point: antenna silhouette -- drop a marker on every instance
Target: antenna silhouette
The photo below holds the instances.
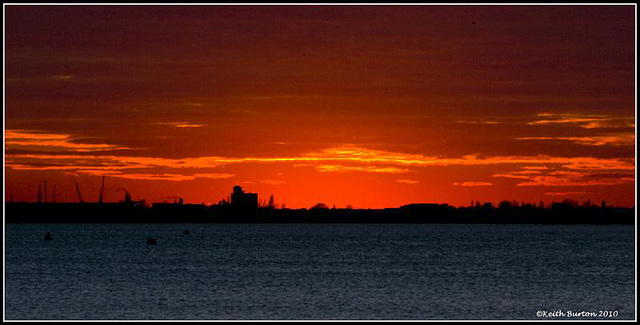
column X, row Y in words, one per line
column 101, row 191
column 79, row 194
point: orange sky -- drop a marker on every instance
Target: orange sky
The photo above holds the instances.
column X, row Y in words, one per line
column 369, row 106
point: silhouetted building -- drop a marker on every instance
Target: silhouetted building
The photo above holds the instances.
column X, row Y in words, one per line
column 505, row 204
column 245, row 200
column 572, row 203
column 177, row 212
column 426, row 210
column 562, row 206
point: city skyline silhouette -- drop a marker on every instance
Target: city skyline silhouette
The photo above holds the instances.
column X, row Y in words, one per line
column 244, row 207
column 241, row 197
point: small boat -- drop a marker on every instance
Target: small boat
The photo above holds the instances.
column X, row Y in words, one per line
column 152, row 241
column 48, row 237
column 186, row 232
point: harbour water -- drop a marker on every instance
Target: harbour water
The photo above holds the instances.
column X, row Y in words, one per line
column 317, row 271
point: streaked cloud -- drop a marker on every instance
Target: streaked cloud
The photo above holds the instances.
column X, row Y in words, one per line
column 368, row 169
column 565, row 193
column 478, row 122
column 157, row 177
column 63, row 77
column 214, row 176
column 356, row 154
column 150, row 176
column 407, row 181
column 30, row 140
column 610, row 140
column 273, row 182
column 535, row 167
column 181, row 124
column 347, row 158
column 136, row 176
column 40, row 79
column 575, row 177
column 587, row 121
column 572, row 181
column 521, row 174
column 473, row 184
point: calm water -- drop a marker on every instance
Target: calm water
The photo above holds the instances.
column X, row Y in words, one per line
column 313, row 271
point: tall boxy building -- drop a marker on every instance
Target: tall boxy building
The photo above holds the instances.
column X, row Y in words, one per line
column 241, row 199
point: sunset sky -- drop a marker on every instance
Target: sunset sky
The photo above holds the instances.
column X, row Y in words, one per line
column 369, row 106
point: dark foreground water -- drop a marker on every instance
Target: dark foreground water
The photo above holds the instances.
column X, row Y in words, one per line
column 315, row 271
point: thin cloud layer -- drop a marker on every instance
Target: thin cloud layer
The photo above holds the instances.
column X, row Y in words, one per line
column 29, row 140
column 565, row 193
column 574, row 177
column 587, row 121
column 608, row 140
column 360, row 159
column 473, row 184
column 408, row 181
column 148, row 176
column 181, row 124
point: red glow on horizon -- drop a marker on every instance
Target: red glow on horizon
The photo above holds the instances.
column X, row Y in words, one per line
column 367, row 106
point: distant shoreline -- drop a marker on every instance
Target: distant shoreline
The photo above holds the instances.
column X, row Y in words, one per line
column 20, row 212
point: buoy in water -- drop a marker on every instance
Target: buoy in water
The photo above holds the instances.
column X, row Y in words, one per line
column 186, row 232
column 48, row 237
column 152, row 241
